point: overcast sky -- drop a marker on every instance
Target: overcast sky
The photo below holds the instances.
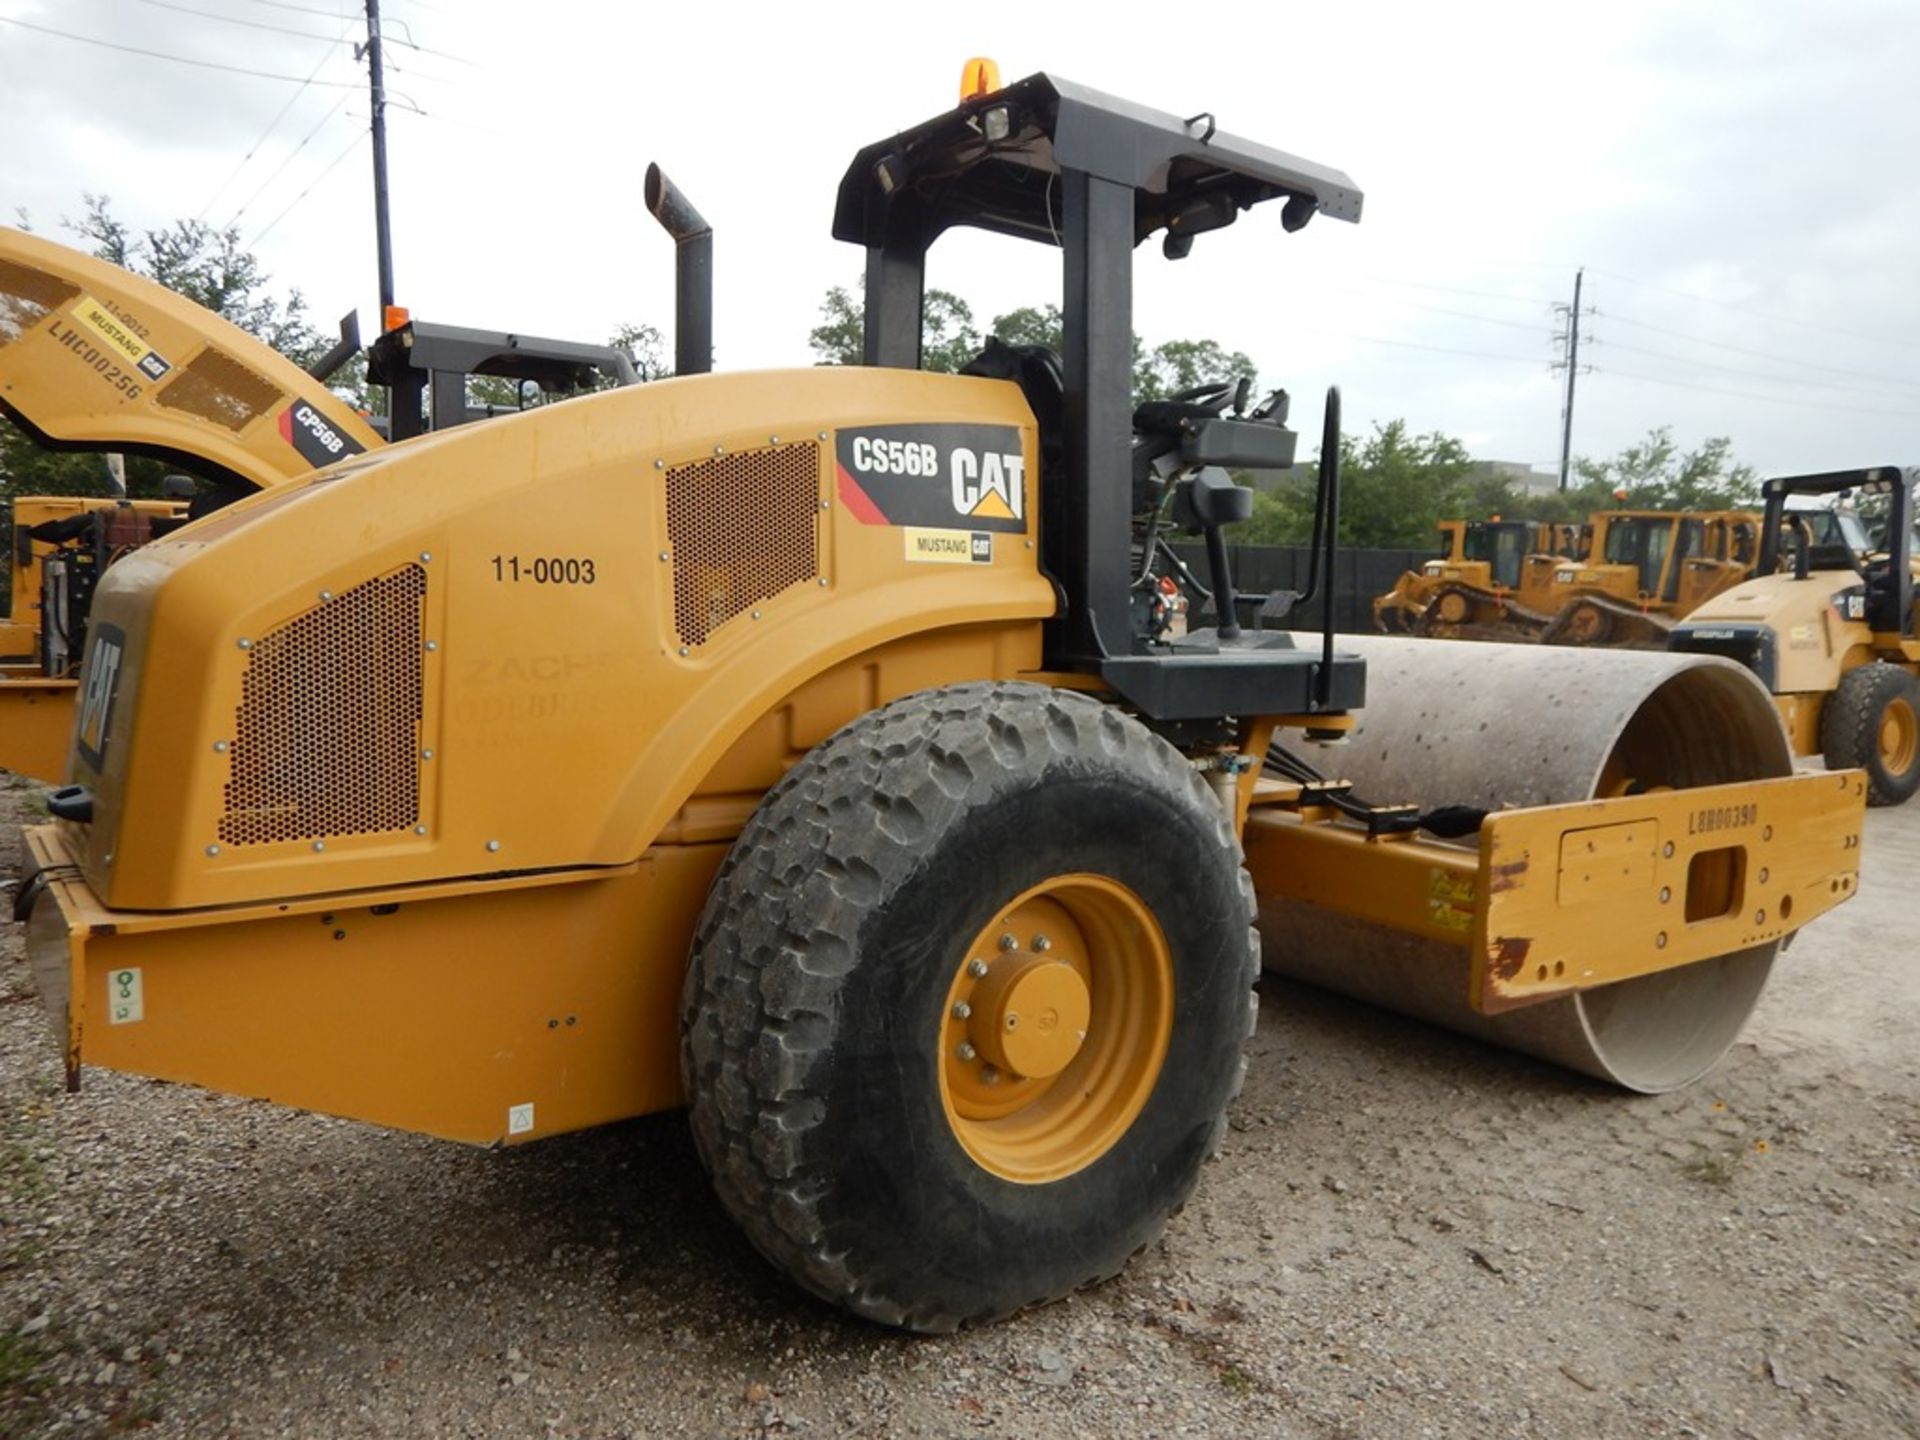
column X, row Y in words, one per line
column 1739, row 180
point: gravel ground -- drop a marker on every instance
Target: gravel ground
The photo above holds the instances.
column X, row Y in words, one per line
column 1406, row 1235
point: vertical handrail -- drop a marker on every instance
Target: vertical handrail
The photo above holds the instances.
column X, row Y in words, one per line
column 1329, row 505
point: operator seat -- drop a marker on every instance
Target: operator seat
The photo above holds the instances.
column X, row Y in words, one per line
column 1036, row 369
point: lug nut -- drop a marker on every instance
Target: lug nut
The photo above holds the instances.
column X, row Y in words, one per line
column 976, row 968
column 966, row 1051
column 989, row 1075
column 1007, row 942
column 962, row 1010
column 1041, row 943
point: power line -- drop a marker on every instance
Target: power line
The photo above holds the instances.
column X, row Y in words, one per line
column 303, row 9
column 1748, row 395
column 1530, row 360
column 1536, row 300
column 261, row 138
column 331, row 166
column 409, row 42
column 1756, row 354
column 235, row 20
column 1740, row 370
column 1442, row 310
column 291, row 156
column 1758, row 314
column 176, row 59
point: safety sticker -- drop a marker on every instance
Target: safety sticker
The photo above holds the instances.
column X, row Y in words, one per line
column 1449, row 900
column 126, row 1003
column 934, row 476
column 117, row 333
column 949, row 547
column 519, row 1118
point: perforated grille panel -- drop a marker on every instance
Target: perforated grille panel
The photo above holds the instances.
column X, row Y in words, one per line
column 217, row 387
column 327, row 734
column 744, row 527
column 26, row 297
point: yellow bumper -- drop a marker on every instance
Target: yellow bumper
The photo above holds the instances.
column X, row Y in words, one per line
column 1570, row 897
column 491, row 1010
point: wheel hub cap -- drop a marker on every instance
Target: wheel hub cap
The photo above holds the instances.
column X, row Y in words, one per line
column 1030, row 1015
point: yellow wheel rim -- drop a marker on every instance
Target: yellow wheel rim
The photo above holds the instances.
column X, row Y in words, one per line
column 1055, row 1028
column 1452, row 607
column 1899, row 736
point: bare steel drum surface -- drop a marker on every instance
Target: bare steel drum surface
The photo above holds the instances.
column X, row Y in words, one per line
column 1450, row 722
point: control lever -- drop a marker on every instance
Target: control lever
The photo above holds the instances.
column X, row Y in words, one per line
column 1205, row 502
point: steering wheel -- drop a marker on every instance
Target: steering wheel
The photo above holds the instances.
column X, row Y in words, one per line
column 1205, row 401
column 1210, row 395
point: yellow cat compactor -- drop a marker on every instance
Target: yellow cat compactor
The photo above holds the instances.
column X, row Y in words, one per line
column 95, row 358
column 806, row 748
column 1831, row 626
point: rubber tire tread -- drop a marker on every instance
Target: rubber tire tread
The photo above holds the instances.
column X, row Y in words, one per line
column 1850, row 728
column 774, row 951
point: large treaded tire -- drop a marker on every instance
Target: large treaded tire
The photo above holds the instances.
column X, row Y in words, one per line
column 818, row 983
column 1850, row 729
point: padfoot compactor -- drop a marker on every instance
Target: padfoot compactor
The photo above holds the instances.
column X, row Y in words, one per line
column 93, row 357
column 799, row 747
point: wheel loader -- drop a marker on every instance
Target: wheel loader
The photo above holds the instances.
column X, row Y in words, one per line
column 1485, row 565
column 1829, row 624
column 804, row 748
column 93, row 357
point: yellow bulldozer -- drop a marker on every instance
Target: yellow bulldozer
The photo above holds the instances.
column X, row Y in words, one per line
column 1830, row 625
column 1484, row 566
column 95, row 358
column 807, row 748
column 1647, row 569
column 1633, row 573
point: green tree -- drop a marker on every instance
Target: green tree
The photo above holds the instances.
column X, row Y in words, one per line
column 1031, row 325
column 1657, row 474
column 1395, row 487
column 951, row 341
column 1176, row 365
column 948, row 339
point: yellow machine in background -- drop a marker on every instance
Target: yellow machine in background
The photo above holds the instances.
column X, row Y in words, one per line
column 95, row 358
column 1620, row 580
column 57, row 547
column 1830, row 625
column 1647, row 569
column 794, row 746
column 1486, row 565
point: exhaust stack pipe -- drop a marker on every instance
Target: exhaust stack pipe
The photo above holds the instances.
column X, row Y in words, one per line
column 692, row 273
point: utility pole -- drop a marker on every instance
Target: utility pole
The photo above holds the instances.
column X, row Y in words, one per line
column 1572, row 337
column 382, row 221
